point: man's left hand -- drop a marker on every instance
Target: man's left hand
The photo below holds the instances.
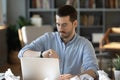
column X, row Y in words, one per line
column 65, row 77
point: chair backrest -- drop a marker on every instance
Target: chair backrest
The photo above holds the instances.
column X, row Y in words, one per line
column 116, row 30
column 29, row 33
column 105, row 43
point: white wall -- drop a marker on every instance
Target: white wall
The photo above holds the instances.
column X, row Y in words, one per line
column 15, row 8
column 3, row 11
column 0, row 11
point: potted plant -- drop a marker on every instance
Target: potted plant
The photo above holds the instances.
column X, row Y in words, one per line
column 116, row 65
column 13, row 39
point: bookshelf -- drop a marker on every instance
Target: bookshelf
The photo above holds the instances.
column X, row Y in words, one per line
column 94, row 16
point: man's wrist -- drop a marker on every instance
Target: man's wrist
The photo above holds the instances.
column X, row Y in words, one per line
column 41, row 54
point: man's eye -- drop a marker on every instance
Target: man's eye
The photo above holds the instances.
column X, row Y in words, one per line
column 57, row 24
column 64, row 25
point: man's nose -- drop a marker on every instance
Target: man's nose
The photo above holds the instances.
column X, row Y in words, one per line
column 61, row 28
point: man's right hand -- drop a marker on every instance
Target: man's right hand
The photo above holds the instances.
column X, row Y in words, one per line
column 50, row 54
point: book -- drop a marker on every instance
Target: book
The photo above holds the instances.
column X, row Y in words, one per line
column 90, row 19
column 46, row 4
column 106, row 3
column 91, row 4
column 82, row 3
column 97, row 19
column 84, row 20
column 87, row 20
column 118, row 3
column 72, row 2
column 111, row 3
column 33, row 3
column 38, row 3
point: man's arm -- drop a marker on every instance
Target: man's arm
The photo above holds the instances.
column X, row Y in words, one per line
column 30, row 53
column 91, row 73
column 46, row 54
column 69, row 76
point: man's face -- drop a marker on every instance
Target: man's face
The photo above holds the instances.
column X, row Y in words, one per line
column 65, row 27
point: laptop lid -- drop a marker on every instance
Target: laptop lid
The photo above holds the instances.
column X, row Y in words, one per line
column 40, row 68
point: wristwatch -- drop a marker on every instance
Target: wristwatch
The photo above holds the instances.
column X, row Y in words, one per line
column 41, row 52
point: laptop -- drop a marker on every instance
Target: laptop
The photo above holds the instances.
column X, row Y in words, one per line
column 40, row 68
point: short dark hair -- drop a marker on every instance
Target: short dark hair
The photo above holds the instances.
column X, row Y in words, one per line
column 67, row 10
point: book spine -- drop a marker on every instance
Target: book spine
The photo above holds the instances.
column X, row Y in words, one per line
column 33, row 3
column 38, row 4
column 46, row 4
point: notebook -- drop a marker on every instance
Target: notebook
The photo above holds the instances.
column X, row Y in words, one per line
column 40, row 68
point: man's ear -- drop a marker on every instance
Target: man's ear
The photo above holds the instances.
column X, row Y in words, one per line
column 75, row 23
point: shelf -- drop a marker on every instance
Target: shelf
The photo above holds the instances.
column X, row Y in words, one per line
column 91, row 9
column 98, row 9
column 94, row 16
column 112, row 10
column 41, row 10
column 91, row 27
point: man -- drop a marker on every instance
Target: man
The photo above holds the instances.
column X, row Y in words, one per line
column 76, row 54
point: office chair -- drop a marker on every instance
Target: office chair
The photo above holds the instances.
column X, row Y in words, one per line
column 106, row 44
column 29, row 33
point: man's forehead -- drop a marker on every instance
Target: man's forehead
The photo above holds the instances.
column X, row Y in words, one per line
column 57, row 16
column 62, row 19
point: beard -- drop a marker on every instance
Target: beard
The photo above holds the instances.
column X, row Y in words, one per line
column 64, row 35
